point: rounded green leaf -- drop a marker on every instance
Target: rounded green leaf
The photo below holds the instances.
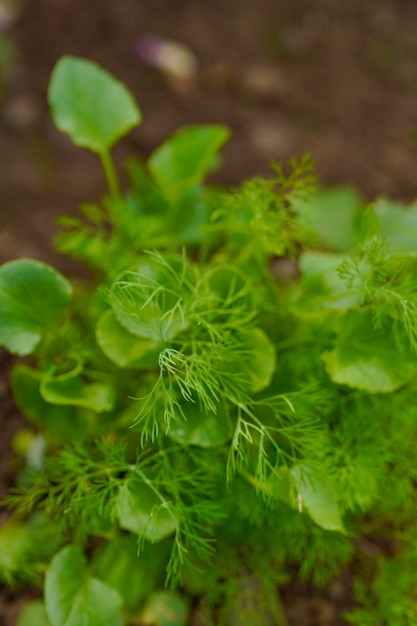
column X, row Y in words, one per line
column 74, row 598
column 134, row 576
column 187, row 157
column 71, row 389
column 317, row 497
column 33, row 613
column 147, row 299
column 200, row 428
column 122, row 347
column 332, row 214
column 90, row 105
column 166, row 608
column 321, row 289
column 33, row 297
column 227, row 282
column 261, row 363
column 14, row 546
column 398, row 224
column 368, row 358
column 140, row 510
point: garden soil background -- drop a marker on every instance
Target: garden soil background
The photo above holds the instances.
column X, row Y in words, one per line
column 337, row 79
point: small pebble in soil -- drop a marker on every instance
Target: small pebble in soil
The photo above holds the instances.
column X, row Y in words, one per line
column 264, row 82
column 171, row 57
column 22, row 112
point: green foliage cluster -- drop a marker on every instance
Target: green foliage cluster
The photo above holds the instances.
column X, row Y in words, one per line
column 229, row 396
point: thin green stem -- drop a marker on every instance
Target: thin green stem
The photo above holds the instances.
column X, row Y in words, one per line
column 110, row 173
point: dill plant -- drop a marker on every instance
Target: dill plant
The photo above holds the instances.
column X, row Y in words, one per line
column 201, row 423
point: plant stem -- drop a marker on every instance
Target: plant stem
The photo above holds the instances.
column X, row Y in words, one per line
column 110, row 173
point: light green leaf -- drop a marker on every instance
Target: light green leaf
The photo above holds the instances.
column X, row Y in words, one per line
column 189, row 222
column 200, row 428
column 33, row 297
column 90, row 105
column 74, row 598
column 70, row 389
column 398, row 224
column 368, row 358
column 166, row 608
column 15, row 541
column 279, row 485
column 140, row 510
column 122, row 347
column 331, row 214
column 183, row 161
column 316, row 495
column 261, row 363
column 134, row 576
column 24, row 548
column 61, row 420
column 33, row 614
column 321, row 289
column 146, row 300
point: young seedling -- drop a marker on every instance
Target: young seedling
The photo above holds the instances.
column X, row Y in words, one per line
column 201, row 422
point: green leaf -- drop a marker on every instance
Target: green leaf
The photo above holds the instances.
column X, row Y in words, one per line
column 134, row 576
column 317, row 497
column 166, row 608
column 279, row 485
column 147, row 299
column 230, row 282
column 33, row 614
column 368, row 358
column 90, row 105
column 70, row 389
column 331, row 214
column 200, row 428
column 122, row 347
column 74, row 598
column 183, row 161
column 189, row 222
column 25, row 548
column 61, row 420
column 398, row 224
column 321, row 289
column 261, row 363
column 14, row 544
column 33, row 298
column 140, row 510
